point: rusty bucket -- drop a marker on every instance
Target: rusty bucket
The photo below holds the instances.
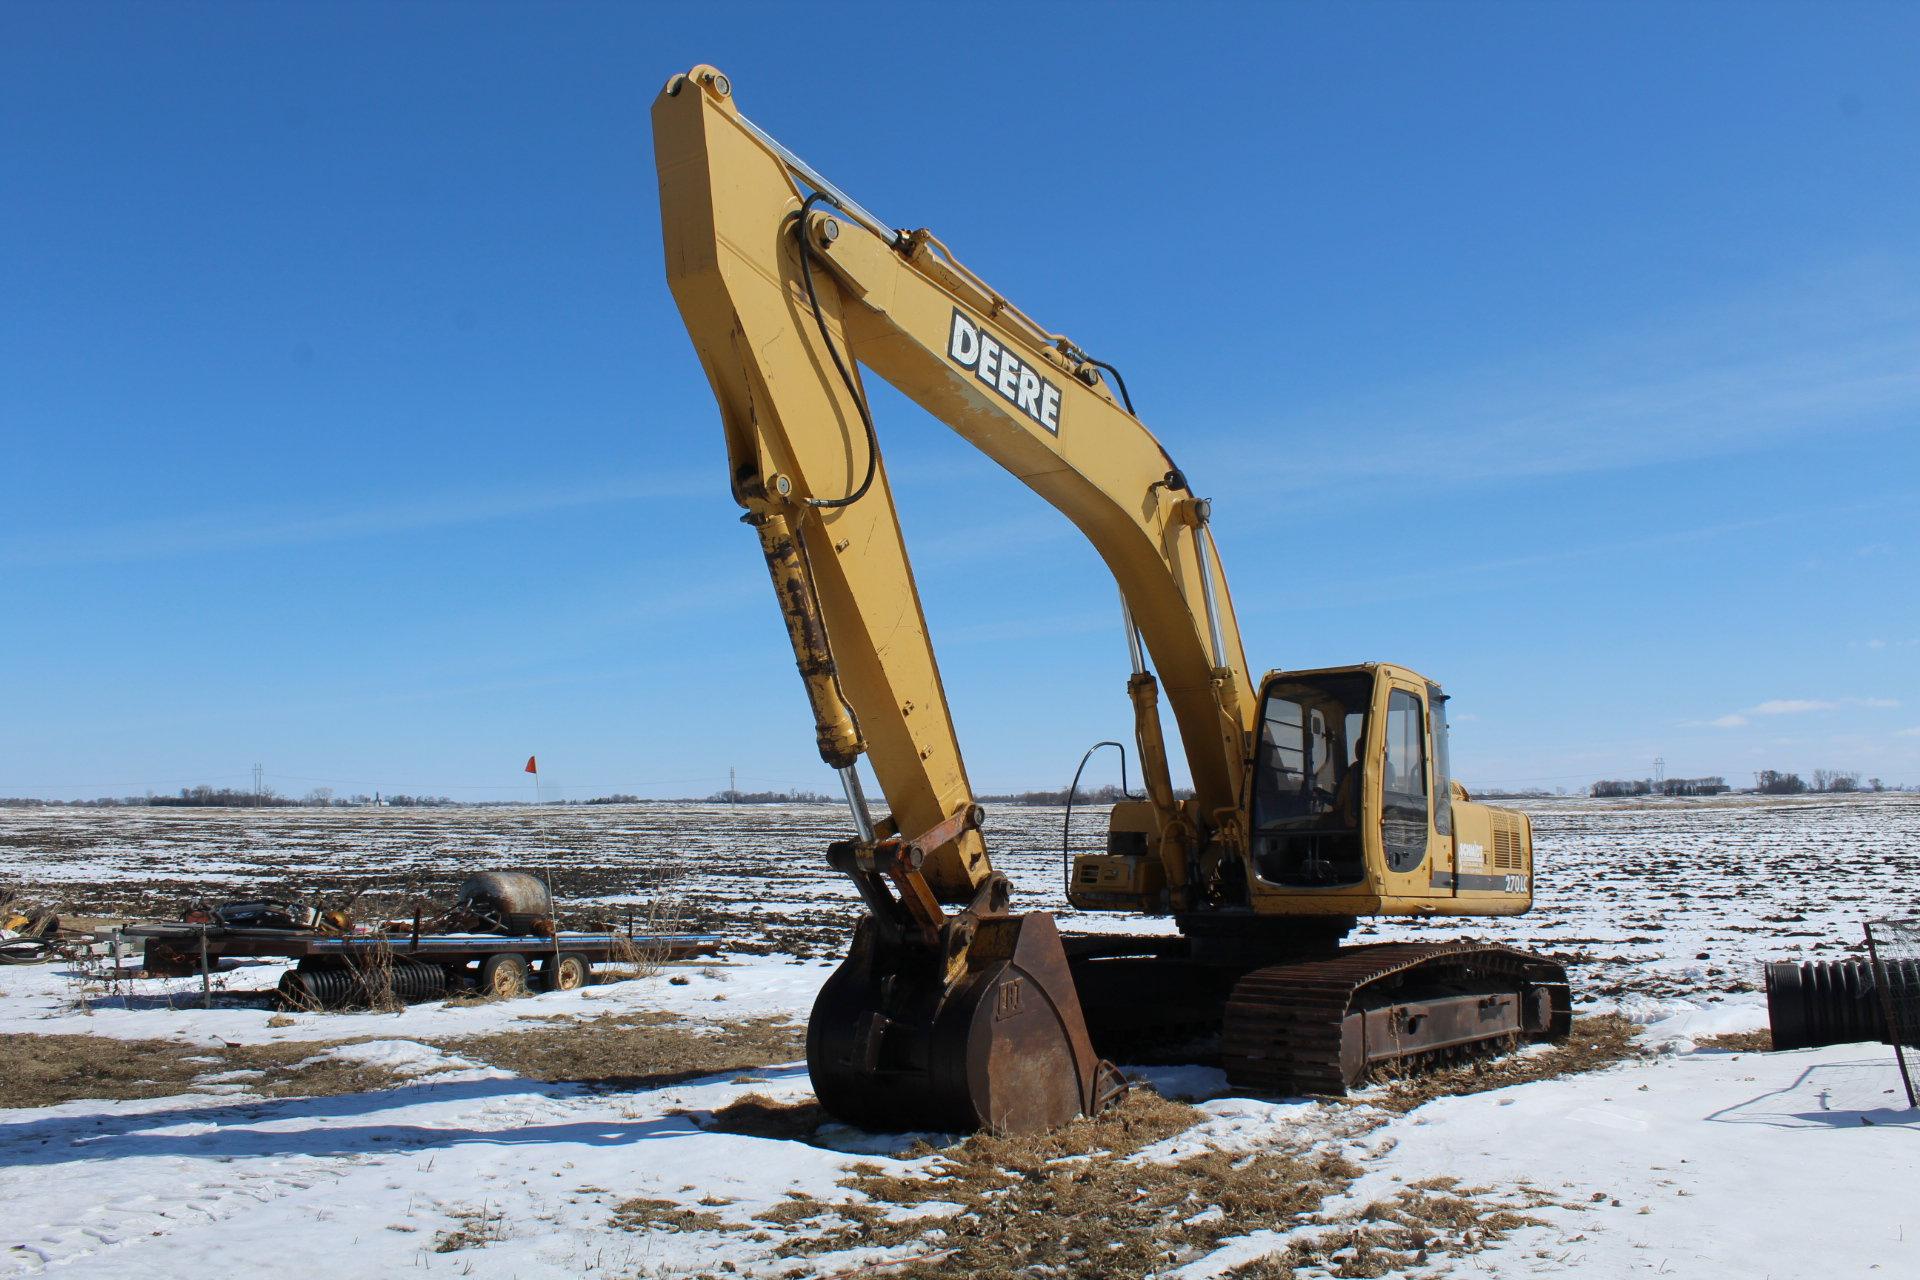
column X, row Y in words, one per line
column 895, row 1044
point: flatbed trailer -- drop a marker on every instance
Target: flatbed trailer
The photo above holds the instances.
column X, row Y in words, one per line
column 331, row 967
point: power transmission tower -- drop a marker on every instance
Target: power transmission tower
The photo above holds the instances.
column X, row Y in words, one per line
column 259, row 788
column 733, row 786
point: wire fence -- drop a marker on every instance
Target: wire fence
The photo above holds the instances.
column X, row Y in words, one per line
column 1893, row 946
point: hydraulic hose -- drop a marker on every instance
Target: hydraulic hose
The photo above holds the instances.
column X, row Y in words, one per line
column 1118, row 381
column 846, row 374
column 1066, row 827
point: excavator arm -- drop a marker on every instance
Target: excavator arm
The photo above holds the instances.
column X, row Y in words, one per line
column 789, row 289
column 947, row 1019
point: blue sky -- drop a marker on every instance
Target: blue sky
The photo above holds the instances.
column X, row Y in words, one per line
column 1568, row 354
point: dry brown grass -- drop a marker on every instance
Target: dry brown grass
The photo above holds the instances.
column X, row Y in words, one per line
column 633, row 1052
column 1431, row 1219
column 1760, row 1041
column 638, row 961
column 1071, row 1204
column 607, row 1052
column 43, row 1071
column 478, row 1228
column 307, row 1070
column 373, row 968
column 1065, row 1203
column 1595, row 1043
column 1107, row 1218
column 644, row 1215
column 759, row 1116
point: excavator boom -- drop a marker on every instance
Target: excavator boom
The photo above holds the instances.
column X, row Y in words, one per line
column 781, row 294
column 941, row 1019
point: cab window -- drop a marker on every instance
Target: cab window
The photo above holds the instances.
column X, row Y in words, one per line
column 1404, row 799
column 1307, row 785
column 1442, row 770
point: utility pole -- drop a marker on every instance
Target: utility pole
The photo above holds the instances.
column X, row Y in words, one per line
column 259, row 788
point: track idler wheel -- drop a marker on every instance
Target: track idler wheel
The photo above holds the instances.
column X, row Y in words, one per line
column 894, row 1045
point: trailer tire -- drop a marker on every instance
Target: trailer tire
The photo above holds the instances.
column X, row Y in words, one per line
column 567, row 972
column 504, row 975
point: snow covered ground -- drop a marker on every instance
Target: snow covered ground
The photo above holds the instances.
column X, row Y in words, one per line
column 1691, row 1162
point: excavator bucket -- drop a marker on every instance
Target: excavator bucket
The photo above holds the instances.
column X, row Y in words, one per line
column 894, row 1044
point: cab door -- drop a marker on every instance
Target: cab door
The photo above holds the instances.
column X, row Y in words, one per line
column 1406, row 789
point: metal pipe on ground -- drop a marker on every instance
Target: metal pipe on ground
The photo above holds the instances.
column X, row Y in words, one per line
column 342, row 987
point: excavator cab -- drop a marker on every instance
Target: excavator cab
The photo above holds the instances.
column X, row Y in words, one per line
column 1353, row 810
column 1350, row 810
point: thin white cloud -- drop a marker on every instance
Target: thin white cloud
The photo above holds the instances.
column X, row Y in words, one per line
column 1786, row 707
column 200, row 532
column 1808, row 356
column 1430, row 580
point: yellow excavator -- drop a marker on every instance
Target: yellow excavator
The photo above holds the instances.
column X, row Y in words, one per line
column 1318, row 797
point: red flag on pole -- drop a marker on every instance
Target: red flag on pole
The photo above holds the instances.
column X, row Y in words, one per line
column 532, row 767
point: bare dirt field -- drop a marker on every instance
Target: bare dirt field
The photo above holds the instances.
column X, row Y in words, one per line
column 1644, row 899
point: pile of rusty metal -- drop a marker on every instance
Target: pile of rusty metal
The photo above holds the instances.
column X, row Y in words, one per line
column 500, row 937
column 30, row 936
column 508, row 903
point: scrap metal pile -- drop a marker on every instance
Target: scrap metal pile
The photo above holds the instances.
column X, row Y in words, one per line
column 500, row 937
column 33, row 936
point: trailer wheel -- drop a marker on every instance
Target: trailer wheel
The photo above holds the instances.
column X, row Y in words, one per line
column 504, row 975
column 566, row 973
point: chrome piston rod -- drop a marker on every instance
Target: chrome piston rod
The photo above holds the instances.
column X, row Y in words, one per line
column 857, row 802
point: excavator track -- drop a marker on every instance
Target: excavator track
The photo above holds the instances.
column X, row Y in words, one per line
column 1323, row 1025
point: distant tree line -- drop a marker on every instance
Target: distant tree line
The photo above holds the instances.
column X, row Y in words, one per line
column 221, row 798
column 1773, row 782
column 102, row 802
column 324, row 798
column 767, row 797
column 1710, row 786
column 1766, row 782
column 227, row 798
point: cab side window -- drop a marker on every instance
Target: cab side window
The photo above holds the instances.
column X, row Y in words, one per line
column 1404, row 805
column 1442, row 770
column 1406, row 748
